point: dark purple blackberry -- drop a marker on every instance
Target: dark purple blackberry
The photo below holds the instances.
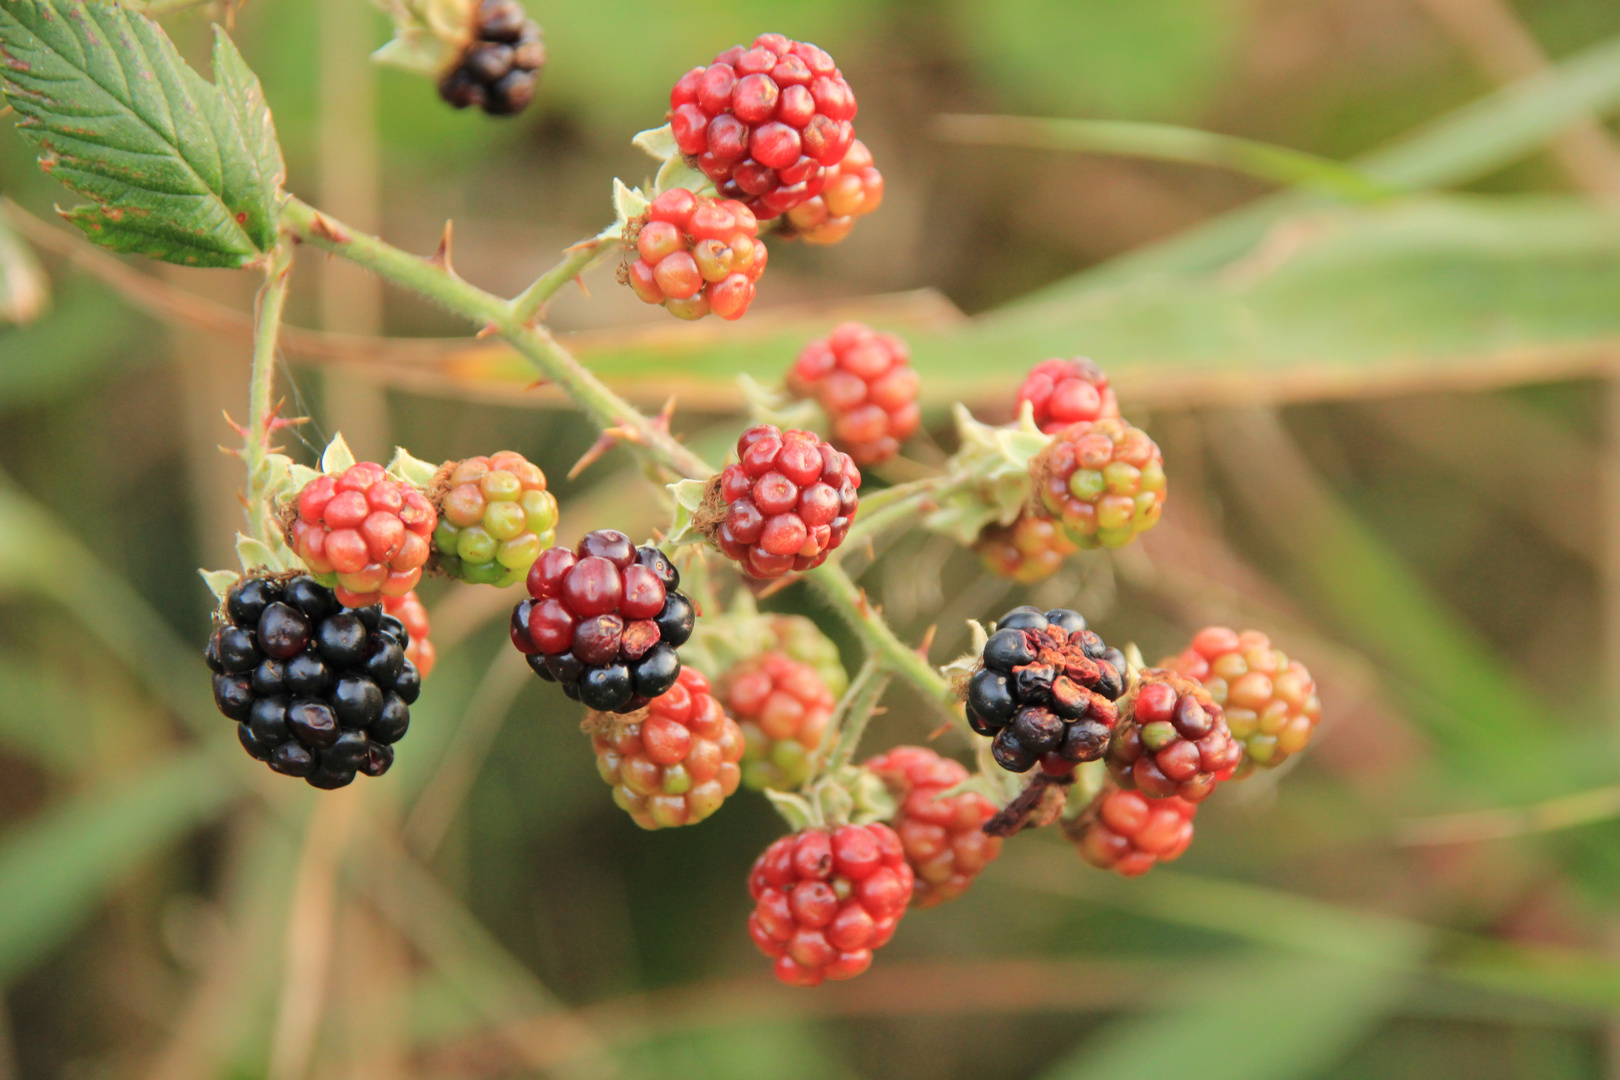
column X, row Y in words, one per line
column 604, row 622
column 1044, row 691
column 318, row 691
column 498, row 68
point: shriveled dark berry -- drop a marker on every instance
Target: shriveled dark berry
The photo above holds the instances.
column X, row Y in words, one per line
column 1011, row 754
column 313, row 724
column 488, row 61
column 379, row 759
column 1038, row 730
column 292, row 759
column 1084, row 741
column 511, row 94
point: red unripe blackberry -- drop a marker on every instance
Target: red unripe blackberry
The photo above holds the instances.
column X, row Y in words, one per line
column 865, row 382
column 782, row 707
column 1103, row 480
column 943, row 838
column 498, row 66
column 495, row 517
column 764, row 123
column 1044, row 690
column 1172, row 739
column 1029, row 550
column 824, row 900
column 1064, row 392
column 1128, row 833
column 413, row 618
column 853, row 188
column 318, row 691
column 674, row 762
column 784, row 505
column 362, row 531
column 697, row 255
column 1270, row 701
column 604, row 622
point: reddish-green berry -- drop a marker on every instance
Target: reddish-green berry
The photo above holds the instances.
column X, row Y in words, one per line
column 413, row 619
column 865, row 382
column 495, row 518
column 604, row 622
column 1044, row 691
column 1064, row 392
column 1103, row 480
column 697, row 256
column 498, row 67
column 764, row 123
column 803, row 640
column 782, row 707
column 364, row 532
column 1029, row 550
column 1172, row 739
column 943, row 837
column 824, row 900
column 1127, row 833
column 784, row 505
column 674, row 763
column 1270, row 701
column 853, row 188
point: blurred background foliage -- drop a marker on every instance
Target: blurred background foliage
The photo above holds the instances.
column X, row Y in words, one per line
column 1393, row 444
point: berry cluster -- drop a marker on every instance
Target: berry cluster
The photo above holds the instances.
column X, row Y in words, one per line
column 697, row 255
column 1103, row 480
column 367, row 529
column 784, row 505
column 1270, row 702
column 413, row 617
column 783, row 707
column 1029, row 550
column 1127, row 833
column 498, row 68
column 1064, row 392
column 824, row 900
column 1173, row 741
column 943, row 837
column 605, row 621
column 317, row 690
column 675, row 764
column 495, row 517
column 764, row 123
column 803, row 641
column 853, row 188
column 865, row 382
column 1045, row 691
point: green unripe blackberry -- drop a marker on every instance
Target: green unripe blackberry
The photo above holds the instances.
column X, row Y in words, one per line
column 495, row 518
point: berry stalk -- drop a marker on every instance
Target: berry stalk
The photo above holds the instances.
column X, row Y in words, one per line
column 575, row 261
column 272, row 301
column 855, row 711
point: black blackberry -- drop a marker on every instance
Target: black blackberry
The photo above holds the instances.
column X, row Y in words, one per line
column 317, row 690
column 1045, row 690
column 498, row 68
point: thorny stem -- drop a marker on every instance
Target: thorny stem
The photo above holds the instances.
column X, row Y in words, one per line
column 855, row 712
column 576, row 260
column 605, row 408
column 892, row 505
column 272, row 300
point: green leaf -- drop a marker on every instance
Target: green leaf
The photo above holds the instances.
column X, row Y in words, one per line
column 55, row 867
column 175, row 168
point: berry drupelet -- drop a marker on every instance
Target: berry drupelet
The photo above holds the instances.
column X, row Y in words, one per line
column 824, row 900
column 365, row 531
column 495, row 517
column 764, row 123
column 1103, row 480
column 318, row 690
column 865, row 382
column 697, row 256
column 943, row 837
column 1270, row 701
column 605, row 621
column 853, row 188
column 675, row 763
column 1128, row 833
column 783, row 707
column 498, row 68
column 1064, row 392
column 784, row 505
column 413, row 617
column 1045, row 691
column 1173, row 739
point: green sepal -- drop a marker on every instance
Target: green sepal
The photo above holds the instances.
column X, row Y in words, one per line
column 412, row 470
column 219, row 582
column 988, row 481
column 658, row 143
column 628, row 204
column 767, row 405
column 337, row 456
column 687, row 496
column 796, row 809
column 257, row 555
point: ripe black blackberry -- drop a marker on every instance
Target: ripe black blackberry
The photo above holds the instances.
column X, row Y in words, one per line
column 605, row 621
column 1045, row 691
column 498, row 68
column 317, row 690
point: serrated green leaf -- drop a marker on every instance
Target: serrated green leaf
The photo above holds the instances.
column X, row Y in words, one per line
column 175, row 168
column 337, row 456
